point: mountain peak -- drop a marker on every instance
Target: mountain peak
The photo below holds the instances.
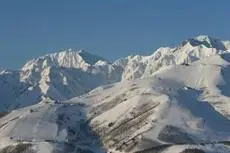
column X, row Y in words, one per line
column 206, row 41
column 204, row 38
column 69, row 54
column 69, row 58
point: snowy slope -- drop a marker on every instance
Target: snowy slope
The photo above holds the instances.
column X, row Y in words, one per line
column 179, row 105
column 170, row 112
column 15, row 93
column 49, row 127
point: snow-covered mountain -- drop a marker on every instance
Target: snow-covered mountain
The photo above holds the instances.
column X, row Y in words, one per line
column 173, row 101
column 71, row 72
column 80, row 71
column 188, row 51
column 58, row 76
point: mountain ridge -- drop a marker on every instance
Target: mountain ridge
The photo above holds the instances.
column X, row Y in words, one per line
column 73, row 72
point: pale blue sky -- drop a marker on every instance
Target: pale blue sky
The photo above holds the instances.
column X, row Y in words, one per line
column 109, row 28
